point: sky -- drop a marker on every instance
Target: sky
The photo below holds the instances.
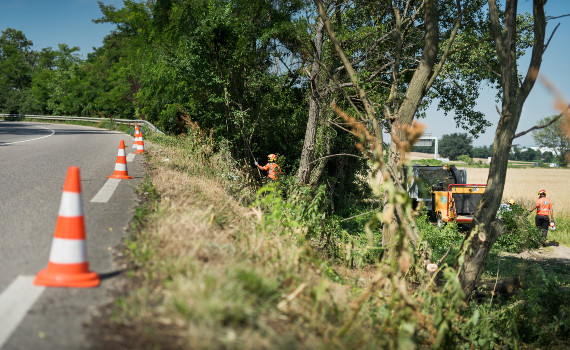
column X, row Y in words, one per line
column 48, row 23
column 540, row 103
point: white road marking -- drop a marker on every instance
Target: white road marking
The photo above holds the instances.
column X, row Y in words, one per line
column 130, row 157
column 106, row 191
column 37, row 138
column 15, row 302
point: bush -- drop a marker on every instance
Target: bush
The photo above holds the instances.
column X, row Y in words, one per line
column 519, row 233
column 465, row 159
column 437, row 239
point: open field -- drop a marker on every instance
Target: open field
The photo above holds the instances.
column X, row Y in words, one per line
column 523, row 185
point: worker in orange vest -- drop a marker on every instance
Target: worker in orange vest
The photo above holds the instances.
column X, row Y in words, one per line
column 544, row 214
column 273, row 170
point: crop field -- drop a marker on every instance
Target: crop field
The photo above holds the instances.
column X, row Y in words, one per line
column 523, row 185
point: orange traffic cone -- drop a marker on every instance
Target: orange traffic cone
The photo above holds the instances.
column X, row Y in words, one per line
column 140, row 145
column 121, row 171
column 137, row 132
column 68, row 266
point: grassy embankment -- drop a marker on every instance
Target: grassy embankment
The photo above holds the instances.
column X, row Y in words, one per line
column 205, row 274
column 207, row 270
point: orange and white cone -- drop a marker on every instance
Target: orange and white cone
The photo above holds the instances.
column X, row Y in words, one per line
column 140, row 145
column 68, row 266
column 137, row 134
column 121, row 171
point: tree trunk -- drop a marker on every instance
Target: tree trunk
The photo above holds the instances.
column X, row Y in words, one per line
column 486, row 227
column 308, row 152
column 414, row 95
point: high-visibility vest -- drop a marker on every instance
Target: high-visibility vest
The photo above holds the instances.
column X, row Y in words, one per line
column 543, row 206
column 273, row 170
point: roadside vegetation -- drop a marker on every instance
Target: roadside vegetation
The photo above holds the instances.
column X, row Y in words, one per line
column 322, row 259
column 216, row 262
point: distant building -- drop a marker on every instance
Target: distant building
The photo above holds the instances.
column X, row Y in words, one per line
column 553, row 165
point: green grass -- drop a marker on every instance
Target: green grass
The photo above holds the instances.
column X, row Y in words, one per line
column 562, row 232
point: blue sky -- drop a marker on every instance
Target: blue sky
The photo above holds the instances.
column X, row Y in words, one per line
column 539, row 104
column 49, row 22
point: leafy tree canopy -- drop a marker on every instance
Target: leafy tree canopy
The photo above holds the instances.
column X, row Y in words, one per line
column 454, row 145
column 553, row 137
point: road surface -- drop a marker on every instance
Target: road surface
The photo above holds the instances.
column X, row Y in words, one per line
column 34, row 158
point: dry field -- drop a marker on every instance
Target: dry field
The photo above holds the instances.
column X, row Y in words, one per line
column 523, row 185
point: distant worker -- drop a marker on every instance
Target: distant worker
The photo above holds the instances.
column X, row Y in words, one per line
column 544, row 214
column 507, row 206
column 273, row 170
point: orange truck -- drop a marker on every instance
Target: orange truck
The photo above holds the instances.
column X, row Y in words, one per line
column 445, row 193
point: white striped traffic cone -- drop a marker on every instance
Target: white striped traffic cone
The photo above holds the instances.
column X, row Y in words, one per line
column 140, row 145
column 121, row 171
column 68, row 266
column 137, row 131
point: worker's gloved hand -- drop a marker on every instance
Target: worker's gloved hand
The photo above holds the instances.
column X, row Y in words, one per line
column 255, row 163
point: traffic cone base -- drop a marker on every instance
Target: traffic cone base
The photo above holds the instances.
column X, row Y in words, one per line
column 68, row 266
column 62, row 275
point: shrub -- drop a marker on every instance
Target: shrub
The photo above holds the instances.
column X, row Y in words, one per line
column 437, row 239
column 465, row 159
column 519, row 233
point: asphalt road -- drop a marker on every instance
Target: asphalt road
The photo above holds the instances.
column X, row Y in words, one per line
column 34, row 158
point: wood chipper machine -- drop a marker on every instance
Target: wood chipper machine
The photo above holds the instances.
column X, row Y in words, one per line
column 444, row 191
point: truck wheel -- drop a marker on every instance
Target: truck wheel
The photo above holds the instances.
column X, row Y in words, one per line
column 440, row 222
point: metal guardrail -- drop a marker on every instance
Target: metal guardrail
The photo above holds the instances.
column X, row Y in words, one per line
column 48, row 117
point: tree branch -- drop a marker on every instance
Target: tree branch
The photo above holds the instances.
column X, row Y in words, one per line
column 352, row 74
column 439, row 66
column 538, row 127
column 537, row 49
column 550, row 38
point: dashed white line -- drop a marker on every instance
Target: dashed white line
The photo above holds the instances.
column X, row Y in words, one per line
column 15, row 302
column 106, row 191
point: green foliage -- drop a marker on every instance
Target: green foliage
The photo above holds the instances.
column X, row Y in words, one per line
column 543, row 318
column 455, row 145
column 519, row 233
column 562, row 232
column 482, row 151
column 553, row 137
column 300, row 211
column 465, row 159
column 438, row 240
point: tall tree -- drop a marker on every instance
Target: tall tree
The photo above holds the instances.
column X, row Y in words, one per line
column 16, row 59
column 406, row 68
column 455, row 145
column 307, row 154
column 514, row 93
column 553, row 137
column 16, row 64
